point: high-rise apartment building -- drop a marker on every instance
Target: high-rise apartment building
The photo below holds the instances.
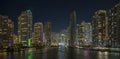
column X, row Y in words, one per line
column 72, row 29
column 25, row 27
column 48, row 34
column 106, row 26
column 6, row 31
column 114, row 26
column 99, row 28
column 84, row 35
column 38, row 33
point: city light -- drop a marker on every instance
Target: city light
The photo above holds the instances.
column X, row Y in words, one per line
column 59, row 29
column 29, row 42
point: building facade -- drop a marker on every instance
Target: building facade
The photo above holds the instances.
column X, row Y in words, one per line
column 72, row 29
column 38, row 33
column 25, row 27
column 99, row 28
column 106, row 26
column 84, row 35
column 6, row 31
column 114, row 26
column 48, row 34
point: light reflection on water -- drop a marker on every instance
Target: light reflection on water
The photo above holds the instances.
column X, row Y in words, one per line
column 11, row 55
column 44, row 55
column 102, row 55
column 115, row 54
column 59, row 53
column 3, row 55
column 86, row 54
column 30, row 54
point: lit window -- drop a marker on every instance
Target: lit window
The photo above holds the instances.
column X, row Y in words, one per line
column 112, row 14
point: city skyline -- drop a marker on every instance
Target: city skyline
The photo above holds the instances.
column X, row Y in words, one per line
column 57, row 12
column 65, row 29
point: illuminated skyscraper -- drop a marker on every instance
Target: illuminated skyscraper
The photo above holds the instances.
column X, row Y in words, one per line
column 38, row 33
column 48, row 33
column 114, row 26
column 6, row 31
column 63, row 37
column 84, row 33
column 72, row 29
column 10, row 31
column 78, row 34
column 99, row 28
column 25, row 27
column 55, row 38
column 106, row 26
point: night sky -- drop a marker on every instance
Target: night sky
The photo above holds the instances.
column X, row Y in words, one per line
column 55, row 11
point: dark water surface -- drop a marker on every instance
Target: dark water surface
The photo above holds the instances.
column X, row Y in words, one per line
column 59, row 53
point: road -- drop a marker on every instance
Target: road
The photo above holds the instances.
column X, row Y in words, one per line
column 59, row 53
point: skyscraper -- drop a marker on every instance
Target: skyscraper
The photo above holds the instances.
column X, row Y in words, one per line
column 114, row 26
column 78, row 34
column 99, row 28
column 85, row 33
column 38, row 33
column 72, row 29
column 10, row 31
column 82, row 32
column 48, row 33
column 25, row 27
column 6, row 31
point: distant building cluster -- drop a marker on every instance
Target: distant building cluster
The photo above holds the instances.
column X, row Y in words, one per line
column 27, row 36
column 103, row 31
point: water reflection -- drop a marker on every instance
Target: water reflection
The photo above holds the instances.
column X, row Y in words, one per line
column 10, row 55
column 30, row 54
column 115, row 54
column 3, row 55
column 102, row 55
column 71, row 54
column 44, row 55
column 59, row 53
column 86, row 54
